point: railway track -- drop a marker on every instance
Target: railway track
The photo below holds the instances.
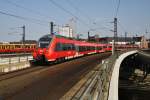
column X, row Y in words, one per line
column 16, row 73
column 9, row 75
column 56, row 79
column 14, row 55
column 87, row 85
column 34, row 68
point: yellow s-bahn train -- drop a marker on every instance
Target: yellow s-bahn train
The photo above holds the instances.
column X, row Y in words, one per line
column 16, row 48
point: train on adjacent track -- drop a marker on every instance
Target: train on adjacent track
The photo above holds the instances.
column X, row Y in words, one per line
column 8, row 48
column 53, row 48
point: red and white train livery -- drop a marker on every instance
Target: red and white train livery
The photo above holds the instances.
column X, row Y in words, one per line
column 58, row 48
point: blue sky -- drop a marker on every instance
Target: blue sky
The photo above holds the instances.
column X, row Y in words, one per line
column 133, row 16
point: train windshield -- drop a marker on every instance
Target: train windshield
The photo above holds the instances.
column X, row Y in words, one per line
column 44, row 41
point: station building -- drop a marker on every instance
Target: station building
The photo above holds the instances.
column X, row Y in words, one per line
column 141, row 41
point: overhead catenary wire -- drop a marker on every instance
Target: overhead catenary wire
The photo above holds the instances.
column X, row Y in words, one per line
column 36, row 21
column 70, row 13
column 85, row 15
column 121, row 26
column 26, row 8
column 117, row 8
column 62, row 8
column 100, row 28
column 78, row 10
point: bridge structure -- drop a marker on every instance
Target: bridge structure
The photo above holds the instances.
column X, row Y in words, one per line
column 102, row 83
column 122, row 70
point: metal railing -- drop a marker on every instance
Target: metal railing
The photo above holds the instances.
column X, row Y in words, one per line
column 95, row 85
column 98, row 88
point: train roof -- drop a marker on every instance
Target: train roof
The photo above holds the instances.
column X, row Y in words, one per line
column 60, row 36
column 48, row 36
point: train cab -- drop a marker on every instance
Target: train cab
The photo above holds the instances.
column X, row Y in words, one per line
column 42, row 46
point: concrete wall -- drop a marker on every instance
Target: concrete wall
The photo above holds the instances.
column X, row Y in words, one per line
column 113, row 89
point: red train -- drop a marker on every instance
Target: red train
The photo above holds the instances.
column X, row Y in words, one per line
column 58, row 48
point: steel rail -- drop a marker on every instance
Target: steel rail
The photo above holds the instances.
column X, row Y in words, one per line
column 19, row 73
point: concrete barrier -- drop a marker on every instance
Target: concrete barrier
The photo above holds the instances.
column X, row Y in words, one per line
column 113, row 88
column 8, row 64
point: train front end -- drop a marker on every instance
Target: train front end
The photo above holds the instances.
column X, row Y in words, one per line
column 42, row 48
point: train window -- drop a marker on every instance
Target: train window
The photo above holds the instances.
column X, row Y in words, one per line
column 99, row 48
column 77, row 48
column 10, row 46
column 35, row 46
column 58, row 47
column 88, row 48
column 29, row 46
column 72, row 47
column 17, row 46
column 82, row 48
column 69, row 47
column 66, row 47
column 1, row 46
column 13, row 46
column 26, row 46
column 63, row 47
column 43, row 44
column 5, row 46
column 92, row 48
column 85, row 49
column 44, row 41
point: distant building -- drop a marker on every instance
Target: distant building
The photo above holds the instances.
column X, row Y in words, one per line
column 94, row 38
column 26, row 42
column 145, row 43
column 140, row 41
column 148, row 43
column 65, row 31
